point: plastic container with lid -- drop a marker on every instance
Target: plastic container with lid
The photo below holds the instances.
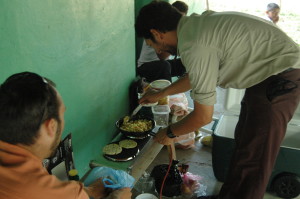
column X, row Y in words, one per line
column 161, row 115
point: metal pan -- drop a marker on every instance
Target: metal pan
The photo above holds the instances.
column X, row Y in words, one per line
column 136, row 135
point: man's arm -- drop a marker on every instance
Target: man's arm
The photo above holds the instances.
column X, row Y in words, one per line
column 97, row 191
column 124, row 193
column 201, row 116
column 180, row 86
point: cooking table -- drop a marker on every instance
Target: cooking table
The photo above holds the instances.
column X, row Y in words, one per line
column 138, row 165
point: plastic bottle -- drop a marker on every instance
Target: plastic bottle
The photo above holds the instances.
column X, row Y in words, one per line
column 73, row 175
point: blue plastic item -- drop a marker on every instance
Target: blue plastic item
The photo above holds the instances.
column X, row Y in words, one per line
column 112, row 178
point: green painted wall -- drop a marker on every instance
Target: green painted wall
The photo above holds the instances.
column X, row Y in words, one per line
column 138, row 4
column 88, row 48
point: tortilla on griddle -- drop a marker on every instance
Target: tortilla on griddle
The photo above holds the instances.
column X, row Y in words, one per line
column 112, row 149
column 128, row 144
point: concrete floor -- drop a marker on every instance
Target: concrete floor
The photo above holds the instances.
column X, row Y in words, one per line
column 199, row 158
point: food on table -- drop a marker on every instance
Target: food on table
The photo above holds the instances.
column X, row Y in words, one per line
column 163, row 101
column 139, row 125
column 128, row 144
column 112, row 149
column 207, row 140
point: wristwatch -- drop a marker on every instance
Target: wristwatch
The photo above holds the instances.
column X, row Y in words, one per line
column 170, row 133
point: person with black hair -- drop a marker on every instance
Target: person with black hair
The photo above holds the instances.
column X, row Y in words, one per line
column 181, row 7
column 230, row 50
column 154, row 65
column 31, row 125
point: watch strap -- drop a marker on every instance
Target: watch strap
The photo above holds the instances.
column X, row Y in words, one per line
column 170, row 133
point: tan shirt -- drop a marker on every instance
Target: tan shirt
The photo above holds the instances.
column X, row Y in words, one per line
column 232, row 50
column 23, row 177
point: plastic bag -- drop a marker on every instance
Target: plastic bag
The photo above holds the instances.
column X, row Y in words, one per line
column 172, row 182
column 112, row 178
column 178, row 104
column 145, row 184
column 191, row 185
column 185, row 141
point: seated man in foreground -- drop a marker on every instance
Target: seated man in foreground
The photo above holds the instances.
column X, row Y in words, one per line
column 31, row 125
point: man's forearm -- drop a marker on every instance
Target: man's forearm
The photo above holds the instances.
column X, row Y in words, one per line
column 180, row 86
column 201, row 116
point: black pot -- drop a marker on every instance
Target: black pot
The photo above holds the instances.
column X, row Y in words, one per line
column 136, row 135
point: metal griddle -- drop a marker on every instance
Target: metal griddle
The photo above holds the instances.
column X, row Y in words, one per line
column 127, row 154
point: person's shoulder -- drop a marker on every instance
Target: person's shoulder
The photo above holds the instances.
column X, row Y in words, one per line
column 208, row 13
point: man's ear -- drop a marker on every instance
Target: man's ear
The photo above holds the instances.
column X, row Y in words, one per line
column 157, row 35
column 51, row 127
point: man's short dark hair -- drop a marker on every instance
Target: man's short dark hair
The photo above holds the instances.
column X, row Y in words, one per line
column 181, row 6
column 158, row 15
column 26, row 101
column 272, row 6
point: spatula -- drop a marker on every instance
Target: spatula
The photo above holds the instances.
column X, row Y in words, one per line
column 136, row 110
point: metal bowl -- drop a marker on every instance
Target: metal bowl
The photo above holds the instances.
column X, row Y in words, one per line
column 136, row 135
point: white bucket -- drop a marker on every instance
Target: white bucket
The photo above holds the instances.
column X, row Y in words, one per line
column 146, row 196
column 160, row 84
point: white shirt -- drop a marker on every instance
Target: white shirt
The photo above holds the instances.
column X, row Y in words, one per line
column 148, row 54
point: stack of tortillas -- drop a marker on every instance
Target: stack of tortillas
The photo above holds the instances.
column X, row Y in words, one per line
column 115, row 149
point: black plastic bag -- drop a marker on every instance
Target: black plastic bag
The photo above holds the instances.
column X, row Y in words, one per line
column 172, row 185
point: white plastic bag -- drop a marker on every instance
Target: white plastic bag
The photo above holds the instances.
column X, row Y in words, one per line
column 178, row 104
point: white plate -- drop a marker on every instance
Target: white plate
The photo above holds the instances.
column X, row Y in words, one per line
column 150, row 104
column 146, row 196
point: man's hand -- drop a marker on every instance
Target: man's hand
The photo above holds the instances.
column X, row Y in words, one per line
column 124, row 193
column 162, row 138
column 151, row 96
column 96, row 190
